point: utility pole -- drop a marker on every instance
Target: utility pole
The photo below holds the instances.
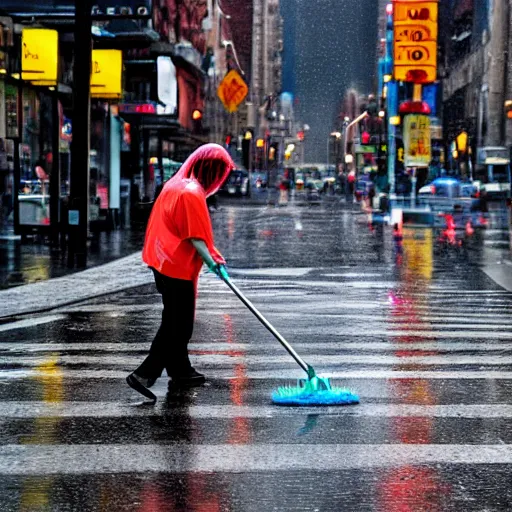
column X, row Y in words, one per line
column 498, row 49
column 78, row 217
column 55, row 219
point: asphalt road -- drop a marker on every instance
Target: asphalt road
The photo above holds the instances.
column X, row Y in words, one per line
column 419, row 331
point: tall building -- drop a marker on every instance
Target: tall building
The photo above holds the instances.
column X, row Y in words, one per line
column 476, row 75
column 267, row 45
column 245, row 36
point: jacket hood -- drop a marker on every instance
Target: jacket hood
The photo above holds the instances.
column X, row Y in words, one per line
column 210, row 165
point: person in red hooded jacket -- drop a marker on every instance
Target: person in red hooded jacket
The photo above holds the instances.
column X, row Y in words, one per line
column 179, row 238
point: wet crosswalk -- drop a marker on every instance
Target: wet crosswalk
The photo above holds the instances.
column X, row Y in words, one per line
column 430, row 355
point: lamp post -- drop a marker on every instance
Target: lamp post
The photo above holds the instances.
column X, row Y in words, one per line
column 78, row 215
column 337, row 136
column 347, row 128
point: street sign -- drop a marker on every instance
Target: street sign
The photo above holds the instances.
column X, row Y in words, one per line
column 415, row 40
column 39, row 56
column 106, row 74
column 416, row 137
column 232, row 91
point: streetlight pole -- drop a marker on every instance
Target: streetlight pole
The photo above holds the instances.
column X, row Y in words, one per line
column 349, row 125
column 337, row 135
column 78, row 216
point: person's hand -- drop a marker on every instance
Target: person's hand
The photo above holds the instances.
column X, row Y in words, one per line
column 218, row 258
column 221, row 271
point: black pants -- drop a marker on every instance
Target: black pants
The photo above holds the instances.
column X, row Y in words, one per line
column 169, row 348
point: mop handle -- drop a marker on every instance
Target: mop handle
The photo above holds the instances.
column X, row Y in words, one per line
column 267, row 324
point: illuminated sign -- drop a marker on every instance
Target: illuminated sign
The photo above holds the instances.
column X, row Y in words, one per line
column 167, row 85
column 415, row 41
column 106, row 71
column 232, row 91
column 416, row 137
column 136, row 8
column 100, row 8
column 39, row 55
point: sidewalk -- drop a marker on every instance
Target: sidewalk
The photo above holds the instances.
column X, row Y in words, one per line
column 498, row 266
column 42, row 296
column 34, row 260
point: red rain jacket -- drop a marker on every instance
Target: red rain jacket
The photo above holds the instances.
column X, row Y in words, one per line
column 180, row 213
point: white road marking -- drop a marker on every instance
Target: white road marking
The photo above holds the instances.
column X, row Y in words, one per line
column 272, row 360
column 31, row 322
column 284, row 374
column 254, row 347
column 42, row 409
column 181, row 458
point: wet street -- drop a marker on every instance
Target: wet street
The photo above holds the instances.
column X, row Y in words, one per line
column 418, row 329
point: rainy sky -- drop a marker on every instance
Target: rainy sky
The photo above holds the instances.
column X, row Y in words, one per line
column 330, row 46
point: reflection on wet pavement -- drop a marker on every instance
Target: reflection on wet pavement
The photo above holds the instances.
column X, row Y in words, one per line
column 35, row 260
column 422, row 336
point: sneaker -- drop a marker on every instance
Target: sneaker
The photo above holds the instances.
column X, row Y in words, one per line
column 188, row 380
column 141, row 385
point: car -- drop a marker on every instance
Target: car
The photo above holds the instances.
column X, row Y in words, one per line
column 450, row 196
column 258, row 180
column 314, row 179
column 237, row 184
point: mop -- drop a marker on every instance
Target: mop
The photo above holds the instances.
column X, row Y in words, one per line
column 314, row 390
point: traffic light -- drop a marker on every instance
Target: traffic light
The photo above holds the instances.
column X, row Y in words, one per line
column 508, row 108
column 273, row 152
column 246, row 148
column 389, row 16
column 197, row 121
column 365, row 138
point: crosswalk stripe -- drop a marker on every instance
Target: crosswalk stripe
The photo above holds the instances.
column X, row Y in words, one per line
column 283, row 374
column 151, row 458
column 251, row 348
column 213, row 359
column 207, row 308
column 35, row 409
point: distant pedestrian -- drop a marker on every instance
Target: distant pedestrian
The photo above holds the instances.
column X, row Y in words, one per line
column 351, row 184
column 284, row 187
column 179, row 238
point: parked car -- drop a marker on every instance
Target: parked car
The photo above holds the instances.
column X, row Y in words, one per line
column 315, row 179
column 449, row 196
column 237, row 184
column 258, row 180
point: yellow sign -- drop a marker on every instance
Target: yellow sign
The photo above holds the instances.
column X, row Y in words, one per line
column 415, row 41
column 416, row 137
column 462, row 142
column 39, row 55
column 106, row 74
column 232, row 91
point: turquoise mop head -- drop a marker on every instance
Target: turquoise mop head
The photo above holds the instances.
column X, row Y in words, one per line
column 313, row 391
